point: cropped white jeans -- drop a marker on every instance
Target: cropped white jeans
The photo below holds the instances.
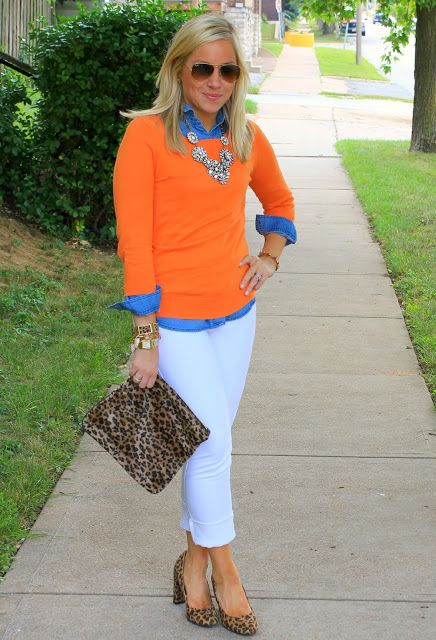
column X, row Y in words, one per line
column 208, row 370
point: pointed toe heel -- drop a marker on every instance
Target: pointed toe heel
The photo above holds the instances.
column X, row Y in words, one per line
column 203, row 617
column 245, row 625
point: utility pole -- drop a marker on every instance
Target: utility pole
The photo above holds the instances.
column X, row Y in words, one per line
column 359, row 34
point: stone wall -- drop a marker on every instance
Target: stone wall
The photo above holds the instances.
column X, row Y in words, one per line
column 247, row 24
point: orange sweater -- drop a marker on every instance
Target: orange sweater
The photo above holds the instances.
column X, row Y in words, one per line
column 179, row 228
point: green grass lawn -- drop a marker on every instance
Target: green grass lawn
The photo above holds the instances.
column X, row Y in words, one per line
column 339, row 62
column 273, row 47
column 320, row 37
column 61, row 349
column 398, row 193
column 250, row 106
column 326, row 37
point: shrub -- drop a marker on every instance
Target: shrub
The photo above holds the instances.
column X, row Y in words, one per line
column 89, row 68
column 14, row 127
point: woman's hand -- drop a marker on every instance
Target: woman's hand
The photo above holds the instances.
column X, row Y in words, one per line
column 144, row 367
column 259, row 271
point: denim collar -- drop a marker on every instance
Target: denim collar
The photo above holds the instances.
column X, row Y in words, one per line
column 198, row 128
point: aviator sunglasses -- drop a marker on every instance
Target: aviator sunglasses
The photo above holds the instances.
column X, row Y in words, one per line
column 203, row 70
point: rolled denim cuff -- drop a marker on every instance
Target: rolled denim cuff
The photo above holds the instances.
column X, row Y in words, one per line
column 276, row 224
column 140, row 305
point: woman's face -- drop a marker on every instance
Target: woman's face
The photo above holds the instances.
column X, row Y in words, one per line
column 207, row 96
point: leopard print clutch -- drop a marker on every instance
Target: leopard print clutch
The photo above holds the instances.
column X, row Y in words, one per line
column 150, row 432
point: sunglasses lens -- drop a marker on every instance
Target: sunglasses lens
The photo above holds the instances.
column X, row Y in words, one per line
column 201, row 70
column 230, row 72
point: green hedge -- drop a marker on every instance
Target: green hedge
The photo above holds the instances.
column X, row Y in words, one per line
column 14, row 148
column 88, row 69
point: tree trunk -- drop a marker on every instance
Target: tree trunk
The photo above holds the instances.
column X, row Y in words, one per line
column 326, row 27
column 424, row 107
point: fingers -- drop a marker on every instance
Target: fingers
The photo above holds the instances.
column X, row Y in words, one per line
column 255, row 283
column 143, row 381
column 255, row 275
column 250, row 272
column 144, row 367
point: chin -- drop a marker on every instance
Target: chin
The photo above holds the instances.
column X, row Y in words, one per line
column 212, row 107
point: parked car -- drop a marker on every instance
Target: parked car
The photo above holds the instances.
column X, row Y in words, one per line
column 352, row 26
column 377, row 18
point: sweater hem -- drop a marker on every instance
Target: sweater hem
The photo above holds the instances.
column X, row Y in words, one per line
column 186, row 307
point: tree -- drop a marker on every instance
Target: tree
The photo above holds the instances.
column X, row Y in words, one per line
column 292, row 8
column 403, row 17
column 424, row 108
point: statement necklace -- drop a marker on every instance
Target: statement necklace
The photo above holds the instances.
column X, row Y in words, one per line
column 217, row 169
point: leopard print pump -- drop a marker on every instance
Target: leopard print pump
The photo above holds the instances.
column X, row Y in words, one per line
column 203, row 617
column 244, row 625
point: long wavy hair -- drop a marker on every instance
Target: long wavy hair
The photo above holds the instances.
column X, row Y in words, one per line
column 168, row 105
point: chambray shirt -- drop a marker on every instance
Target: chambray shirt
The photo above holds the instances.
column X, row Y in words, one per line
column 144, row 304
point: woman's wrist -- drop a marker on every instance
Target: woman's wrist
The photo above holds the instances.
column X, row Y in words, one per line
column 274, row 245
column 143, row 320
column 147, row 344
column 269, row 258
column 145, row 332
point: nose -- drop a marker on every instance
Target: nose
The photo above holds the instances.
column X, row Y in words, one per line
column 215, row 79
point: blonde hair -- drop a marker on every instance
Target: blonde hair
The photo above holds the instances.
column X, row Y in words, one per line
column 168, row 104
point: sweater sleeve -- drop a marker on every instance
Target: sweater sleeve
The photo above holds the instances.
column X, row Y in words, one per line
column 133, row 201
column 269, row 185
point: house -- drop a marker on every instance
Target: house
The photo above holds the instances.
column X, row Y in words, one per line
column 15, row 18
column 245, row 15
column 270, row 9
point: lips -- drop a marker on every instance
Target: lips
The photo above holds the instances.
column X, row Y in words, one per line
column 212, row 96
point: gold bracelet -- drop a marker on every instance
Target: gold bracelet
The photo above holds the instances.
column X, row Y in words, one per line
column 153, row 335
column 264, row 253
column 145, row 330
column 141, row 343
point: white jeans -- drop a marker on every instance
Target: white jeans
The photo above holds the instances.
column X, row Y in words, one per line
column 208, row 370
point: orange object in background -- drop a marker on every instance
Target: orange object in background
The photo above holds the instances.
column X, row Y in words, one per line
column 297, row 39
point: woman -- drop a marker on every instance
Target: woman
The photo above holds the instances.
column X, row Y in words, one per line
column 180, row 180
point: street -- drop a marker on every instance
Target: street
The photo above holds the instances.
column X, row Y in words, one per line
column 402, row 72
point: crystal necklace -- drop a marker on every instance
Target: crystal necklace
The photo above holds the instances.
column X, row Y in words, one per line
column 217, row 169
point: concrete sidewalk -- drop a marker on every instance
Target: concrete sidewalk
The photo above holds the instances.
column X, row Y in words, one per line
column 334, row 472
column 294, row 91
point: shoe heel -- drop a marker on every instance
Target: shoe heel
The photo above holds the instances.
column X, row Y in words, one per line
column 178, row 596
column 203, row 617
